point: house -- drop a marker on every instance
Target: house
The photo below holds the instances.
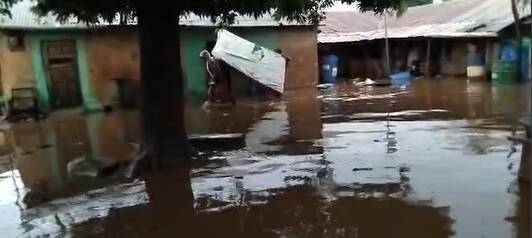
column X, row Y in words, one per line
column 439, row 36
column 71, row 64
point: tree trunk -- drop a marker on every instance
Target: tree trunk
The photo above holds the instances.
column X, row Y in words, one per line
column 171, row 207
column 163, row 102
column 519, row 37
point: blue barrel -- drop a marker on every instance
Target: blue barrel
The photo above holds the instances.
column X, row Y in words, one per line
column 329, row 68
column 474, row 59
column 401, row 78
column 508, row 52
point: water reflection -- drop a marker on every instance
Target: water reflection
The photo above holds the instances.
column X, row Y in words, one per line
column 520, row 217
column 348, row 161
column 292, row 212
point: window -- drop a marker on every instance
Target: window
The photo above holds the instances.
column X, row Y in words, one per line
column 15, row 41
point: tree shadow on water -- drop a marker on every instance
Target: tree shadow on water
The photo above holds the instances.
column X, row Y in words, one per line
column 172, row 211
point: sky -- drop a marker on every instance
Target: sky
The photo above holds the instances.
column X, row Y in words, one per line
column 342, row 7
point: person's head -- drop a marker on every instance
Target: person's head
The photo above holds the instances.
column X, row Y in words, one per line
column 204, row 54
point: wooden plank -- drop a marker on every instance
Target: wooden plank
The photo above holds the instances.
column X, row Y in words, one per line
column 217, row 141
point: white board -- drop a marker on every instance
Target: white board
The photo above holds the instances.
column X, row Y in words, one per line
column 263, row 65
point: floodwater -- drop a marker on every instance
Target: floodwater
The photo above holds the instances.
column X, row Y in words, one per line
column 426, row 160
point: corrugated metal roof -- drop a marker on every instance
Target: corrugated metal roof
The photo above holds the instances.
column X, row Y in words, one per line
column 349, row 22
column 23, row 18
column 459, row 18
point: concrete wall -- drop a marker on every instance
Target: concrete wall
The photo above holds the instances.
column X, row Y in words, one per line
column 105, row 55
column 455, row 65
column 367, row 59
column 15, row 66
column 25, row 67
column 113, row 54
column 42, row 83
column 193, row 41
column 301, row 45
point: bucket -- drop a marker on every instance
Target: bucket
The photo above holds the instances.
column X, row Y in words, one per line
column 329, row 69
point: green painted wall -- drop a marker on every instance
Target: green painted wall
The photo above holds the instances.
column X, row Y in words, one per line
column 195, row 39
column 264, row 36
column 35, row 39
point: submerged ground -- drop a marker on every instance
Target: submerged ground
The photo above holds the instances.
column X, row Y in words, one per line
column 425, row 160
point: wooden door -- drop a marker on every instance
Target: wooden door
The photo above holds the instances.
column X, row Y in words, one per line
column 60, row 60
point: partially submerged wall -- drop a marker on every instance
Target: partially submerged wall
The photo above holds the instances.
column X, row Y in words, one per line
column 193, row 41
column 454, row 62
column 106, row 55
column 367, row 59
column 15, row 65
column 300, row 44
column 40, row 73
column 113, row 54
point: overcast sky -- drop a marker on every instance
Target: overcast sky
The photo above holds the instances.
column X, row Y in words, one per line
column 343, row 7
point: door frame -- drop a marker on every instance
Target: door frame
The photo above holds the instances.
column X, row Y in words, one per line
column 46, row 64
column 91, row 102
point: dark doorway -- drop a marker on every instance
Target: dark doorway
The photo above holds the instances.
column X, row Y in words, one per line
column 210, row 45
column 60, row 63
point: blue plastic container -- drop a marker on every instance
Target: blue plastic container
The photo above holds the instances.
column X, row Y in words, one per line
column 329, row 69
column 508, row 52
column 401, row 78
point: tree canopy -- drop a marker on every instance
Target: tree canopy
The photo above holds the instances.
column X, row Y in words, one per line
column 224, row 11
column 5, row 5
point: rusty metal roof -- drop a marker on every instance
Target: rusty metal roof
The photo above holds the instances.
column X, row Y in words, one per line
column 23, row 18
column 349, row 22
column 459, row 18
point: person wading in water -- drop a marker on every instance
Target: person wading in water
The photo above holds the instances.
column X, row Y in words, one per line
column 219, row 85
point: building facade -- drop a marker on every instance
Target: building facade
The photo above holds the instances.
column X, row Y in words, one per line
column 440, row 37
column 70, row 64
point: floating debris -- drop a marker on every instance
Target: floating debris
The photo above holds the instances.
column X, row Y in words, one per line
column 325, row 86
column 46, row 146
column 362, row 169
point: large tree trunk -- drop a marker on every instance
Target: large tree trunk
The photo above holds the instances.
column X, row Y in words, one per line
column 518, row 36
column 162, row 105
column 171, row 207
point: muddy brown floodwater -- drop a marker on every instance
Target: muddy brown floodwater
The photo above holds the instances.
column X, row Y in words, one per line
column 427, row 160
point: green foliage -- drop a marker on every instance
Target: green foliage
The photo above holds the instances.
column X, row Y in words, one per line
column 222, row 11
column 5, row 5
